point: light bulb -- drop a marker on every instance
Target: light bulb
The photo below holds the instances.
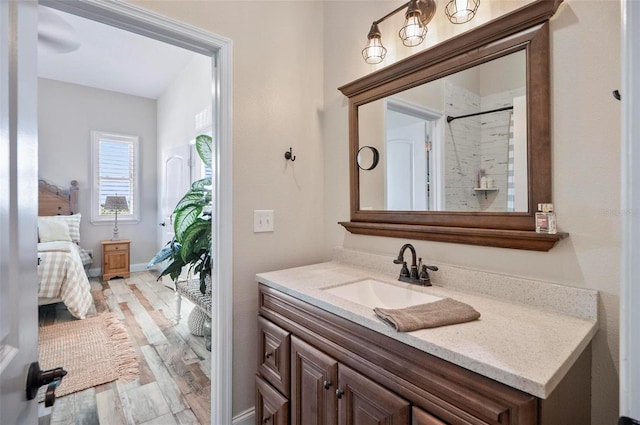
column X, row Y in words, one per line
column 462, row 10
column 374, row 52
column 413, row 32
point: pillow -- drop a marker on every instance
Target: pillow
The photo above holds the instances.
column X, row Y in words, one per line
column 72, row 221
column 49, row 231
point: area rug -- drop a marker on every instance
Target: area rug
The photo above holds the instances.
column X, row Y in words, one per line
column 93, row 351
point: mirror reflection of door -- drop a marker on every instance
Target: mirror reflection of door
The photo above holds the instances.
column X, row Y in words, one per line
column 410, row 163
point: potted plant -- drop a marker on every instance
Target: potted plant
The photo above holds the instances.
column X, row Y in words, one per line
column 191, row 245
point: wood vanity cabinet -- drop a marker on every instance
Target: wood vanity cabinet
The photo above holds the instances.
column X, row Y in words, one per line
column 306, row 354
column 324, row 392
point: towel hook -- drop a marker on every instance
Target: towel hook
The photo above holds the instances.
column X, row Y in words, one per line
column 290, row 155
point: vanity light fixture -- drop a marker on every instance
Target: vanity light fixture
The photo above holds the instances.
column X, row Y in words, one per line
column 461, row 11
column 418, row 14
column 413, row 31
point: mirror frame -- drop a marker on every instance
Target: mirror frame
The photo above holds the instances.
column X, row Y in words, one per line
column 526, row 29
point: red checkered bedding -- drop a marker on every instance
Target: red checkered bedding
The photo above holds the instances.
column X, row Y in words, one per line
column 61, row 275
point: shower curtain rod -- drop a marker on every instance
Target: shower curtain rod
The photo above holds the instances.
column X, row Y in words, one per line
column 506, row 108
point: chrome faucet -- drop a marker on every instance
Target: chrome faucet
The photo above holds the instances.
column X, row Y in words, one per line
column 413, row 276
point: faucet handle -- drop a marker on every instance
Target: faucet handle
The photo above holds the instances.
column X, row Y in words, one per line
column 404, row 271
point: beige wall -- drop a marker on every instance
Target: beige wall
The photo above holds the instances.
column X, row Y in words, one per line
column 67, row 113
column 289, row 59
column 277, row 104
column 585, row 68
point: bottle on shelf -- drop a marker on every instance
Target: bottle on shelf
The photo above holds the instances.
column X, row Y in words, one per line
column 546, row 219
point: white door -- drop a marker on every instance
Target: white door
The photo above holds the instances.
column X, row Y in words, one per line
column 18, row 208
column 406, row 165
column 176, row 178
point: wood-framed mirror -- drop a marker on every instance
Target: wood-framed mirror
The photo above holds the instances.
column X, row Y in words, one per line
column 472, row 200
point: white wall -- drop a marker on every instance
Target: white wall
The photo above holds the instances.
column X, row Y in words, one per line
column 188, row 94
column 67, row 113
column 585, row 68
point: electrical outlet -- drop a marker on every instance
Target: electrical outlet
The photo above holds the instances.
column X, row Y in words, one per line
column 262, row 221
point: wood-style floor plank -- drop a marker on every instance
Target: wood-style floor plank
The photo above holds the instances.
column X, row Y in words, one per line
column 109, row 408
column 201, row 405
column 146, row 402
column 174, row 383
column 149, row 328
column 170, row 390
column 146, row 375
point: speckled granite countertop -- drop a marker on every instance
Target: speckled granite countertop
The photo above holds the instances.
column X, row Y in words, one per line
column 526, row 347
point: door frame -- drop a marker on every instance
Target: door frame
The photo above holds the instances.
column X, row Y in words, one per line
column 149, row 24
column 630, row 205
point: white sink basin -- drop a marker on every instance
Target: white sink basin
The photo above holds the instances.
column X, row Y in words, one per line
column 374, row 293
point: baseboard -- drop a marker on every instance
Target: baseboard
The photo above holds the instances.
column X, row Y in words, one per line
column 97, row 272
column 245, row 418
column 138, row 267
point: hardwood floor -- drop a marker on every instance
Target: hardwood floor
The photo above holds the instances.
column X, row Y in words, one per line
column 174, row 384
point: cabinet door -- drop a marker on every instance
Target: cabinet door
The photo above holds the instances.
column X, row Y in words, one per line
column 274, row 354
column 363, row 402
column 420, row 417
column 271, row 407
column 313, row 385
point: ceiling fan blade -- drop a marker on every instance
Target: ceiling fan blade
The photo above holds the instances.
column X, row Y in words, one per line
column 54, row 33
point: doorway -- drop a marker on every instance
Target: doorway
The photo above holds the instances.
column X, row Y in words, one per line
column 413, row 162
column 140, row 21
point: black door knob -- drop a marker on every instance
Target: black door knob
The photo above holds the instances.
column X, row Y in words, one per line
column 37, row 377
column 339, row 393
column 326, row 384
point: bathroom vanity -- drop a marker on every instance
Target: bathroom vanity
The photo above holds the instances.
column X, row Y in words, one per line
column 324, row 359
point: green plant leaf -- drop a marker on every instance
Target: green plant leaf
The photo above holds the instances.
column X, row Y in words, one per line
column 191, row 241
column 165, row 253
column 202, row 184
column 192, row 197
column 185, row 218
column 203, row 146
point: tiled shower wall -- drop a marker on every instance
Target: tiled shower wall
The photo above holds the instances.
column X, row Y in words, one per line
column 476, row 143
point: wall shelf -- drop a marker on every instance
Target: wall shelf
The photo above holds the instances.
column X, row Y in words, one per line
column 502, row 238
column 486, row 189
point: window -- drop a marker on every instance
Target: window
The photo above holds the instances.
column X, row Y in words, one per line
column 115, row 172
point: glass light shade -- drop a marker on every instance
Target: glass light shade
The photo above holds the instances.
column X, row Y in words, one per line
column 461, row 11
column 374, row 52
column 413, row 32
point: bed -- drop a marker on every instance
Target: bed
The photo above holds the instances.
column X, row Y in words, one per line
column 62, row 262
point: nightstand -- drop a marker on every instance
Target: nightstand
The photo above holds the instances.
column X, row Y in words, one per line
column 115, row 259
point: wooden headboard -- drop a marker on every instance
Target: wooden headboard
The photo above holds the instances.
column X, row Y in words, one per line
column 55, row 201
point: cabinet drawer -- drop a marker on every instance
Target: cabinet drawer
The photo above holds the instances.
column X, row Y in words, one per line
column 271, row 407
column 116, row 247
column 420, row 417
column 274, row 355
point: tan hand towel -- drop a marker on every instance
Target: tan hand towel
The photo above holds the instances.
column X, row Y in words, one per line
column 446, row 311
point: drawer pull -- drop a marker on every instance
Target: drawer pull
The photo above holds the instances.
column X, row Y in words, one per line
column 326, row 384
column 268, row 354
column 266, row 420
column 339, row 393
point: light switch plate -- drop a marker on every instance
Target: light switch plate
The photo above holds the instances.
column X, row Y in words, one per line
column 262, row 221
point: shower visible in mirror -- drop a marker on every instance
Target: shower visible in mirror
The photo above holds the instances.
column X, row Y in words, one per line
column 437, row 139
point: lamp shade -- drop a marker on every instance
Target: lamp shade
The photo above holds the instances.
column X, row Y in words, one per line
column 115, row 203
